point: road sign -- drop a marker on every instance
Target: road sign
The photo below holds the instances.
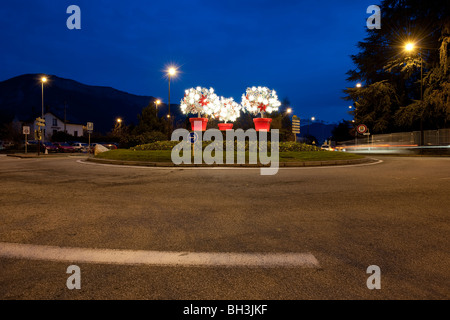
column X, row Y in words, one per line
column 26, row 130
column 40, row 122
column 193, row 137
column 38, row 135
column 362, row 128
column 295, row 125
column 90, row 126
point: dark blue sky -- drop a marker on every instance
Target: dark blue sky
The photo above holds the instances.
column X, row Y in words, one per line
column 299, row 48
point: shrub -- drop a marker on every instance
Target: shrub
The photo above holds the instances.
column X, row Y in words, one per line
column 284, row 146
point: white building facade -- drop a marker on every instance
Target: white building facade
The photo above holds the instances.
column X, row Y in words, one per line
column 53, row 124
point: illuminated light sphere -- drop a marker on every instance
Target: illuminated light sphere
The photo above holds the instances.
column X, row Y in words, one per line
column 44, row 79
column 289, row 110
column 358, row 85
column 409, row 46
column 172, row 71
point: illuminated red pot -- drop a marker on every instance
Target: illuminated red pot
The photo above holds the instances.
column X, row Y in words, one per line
column 203, row 121
column 262, row 124
column 225, row 126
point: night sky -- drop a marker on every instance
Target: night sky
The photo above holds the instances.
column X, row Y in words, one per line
column 299, row 48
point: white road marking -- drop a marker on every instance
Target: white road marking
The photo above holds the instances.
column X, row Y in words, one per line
column 229, row 168
column 157, row 258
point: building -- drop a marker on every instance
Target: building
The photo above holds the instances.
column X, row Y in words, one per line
column 54, row 124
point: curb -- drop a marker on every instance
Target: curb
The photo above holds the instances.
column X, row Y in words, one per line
column 281, row 164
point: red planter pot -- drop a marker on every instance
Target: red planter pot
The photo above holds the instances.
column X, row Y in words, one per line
column 262, row 124
column 225, row 126
column 203, row 123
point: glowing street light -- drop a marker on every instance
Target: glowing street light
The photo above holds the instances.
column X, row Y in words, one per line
column 43, row 80
column 410, row 46
column 119, row 121
column 289, row 110
column 359, row 85
column 157, row 103
column 171, row 72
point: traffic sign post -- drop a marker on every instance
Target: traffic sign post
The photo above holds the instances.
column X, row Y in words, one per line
column 362, row 128
column 40, row 122
column 295, row 126
column 90, row 129
column 26, row 132
column 193, row 136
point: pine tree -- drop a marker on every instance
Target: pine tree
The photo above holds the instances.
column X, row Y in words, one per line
column 390, row 99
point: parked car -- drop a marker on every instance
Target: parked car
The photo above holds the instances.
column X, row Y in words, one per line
column 6, row 144
column 64, row 147
column 80, row 147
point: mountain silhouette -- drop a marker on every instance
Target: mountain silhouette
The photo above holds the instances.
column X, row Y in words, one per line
column 20, row 99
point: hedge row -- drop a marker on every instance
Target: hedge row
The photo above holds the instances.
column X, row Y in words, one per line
column 284, row 146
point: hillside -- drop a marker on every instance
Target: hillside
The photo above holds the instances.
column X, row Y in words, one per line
column 20, row 98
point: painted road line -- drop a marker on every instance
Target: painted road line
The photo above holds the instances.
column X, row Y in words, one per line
column 157, row 258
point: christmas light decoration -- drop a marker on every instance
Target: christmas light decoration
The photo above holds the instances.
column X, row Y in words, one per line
column 229, row 110
column 200, row 101
column 260, row 100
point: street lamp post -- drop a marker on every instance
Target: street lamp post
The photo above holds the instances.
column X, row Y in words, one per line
column 410, row 47
column 171, row 72
column 43, row 80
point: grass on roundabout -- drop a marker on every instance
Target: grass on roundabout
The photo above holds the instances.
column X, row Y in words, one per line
column 165, row 155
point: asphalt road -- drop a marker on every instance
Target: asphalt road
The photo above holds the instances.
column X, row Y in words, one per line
column 394, row 215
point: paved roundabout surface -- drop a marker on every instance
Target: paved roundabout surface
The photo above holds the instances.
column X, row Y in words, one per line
column 224, row 233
